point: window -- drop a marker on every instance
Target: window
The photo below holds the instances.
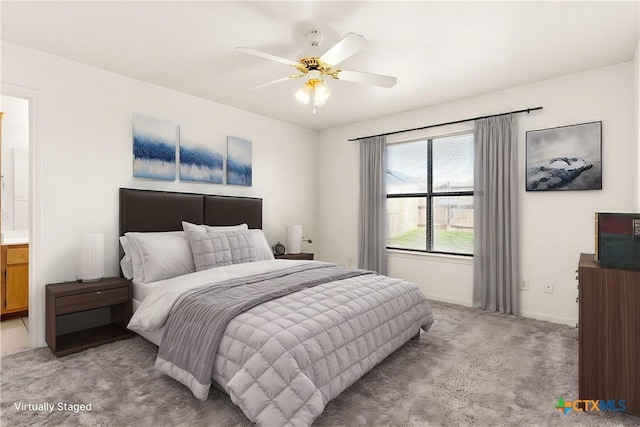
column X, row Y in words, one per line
column 430, row 195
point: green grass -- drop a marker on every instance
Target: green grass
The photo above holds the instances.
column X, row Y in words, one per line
column 459, row 241
column 414, row 239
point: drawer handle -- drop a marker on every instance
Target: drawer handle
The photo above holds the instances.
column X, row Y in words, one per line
column 98, row 292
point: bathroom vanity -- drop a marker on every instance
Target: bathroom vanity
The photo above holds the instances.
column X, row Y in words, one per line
column 15, row 280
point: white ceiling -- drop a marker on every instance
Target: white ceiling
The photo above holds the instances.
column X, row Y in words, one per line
column 440, row 51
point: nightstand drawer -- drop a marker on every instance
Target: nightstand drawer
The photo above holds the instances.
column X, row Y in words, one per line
column 91, row 300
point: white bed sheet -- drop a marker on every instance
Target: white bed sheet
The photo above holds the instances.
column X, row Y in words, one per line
column 153, row 336
column 141, row 290
column 154, row 309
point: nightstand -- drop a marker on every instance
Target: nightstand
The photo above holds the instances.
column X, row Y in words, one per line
column 72, row 297
column 306, row 256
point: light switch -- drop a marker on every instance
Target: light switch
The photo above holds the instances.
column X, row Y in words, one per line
column 7, row 215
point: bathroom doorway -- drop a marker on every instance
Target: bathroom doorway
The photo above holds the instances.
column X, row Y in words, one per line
column 14, row 222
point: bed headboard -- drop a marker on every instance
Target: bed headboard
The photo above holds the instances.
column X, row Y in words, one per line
column 149, row 210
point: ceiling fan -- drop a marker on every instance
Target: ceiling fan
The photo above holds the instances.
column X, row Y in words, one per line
column 315, row 67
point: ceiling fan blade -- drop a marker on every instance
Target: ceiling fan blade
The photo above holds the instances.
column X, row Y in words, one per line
column 275, row 81
column 267, row 56
column 367, row 78
column 349, row 45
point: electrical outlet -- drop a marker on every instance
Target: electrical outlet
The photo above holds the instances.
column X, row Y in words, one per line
column 524, row 285
column 7, row 215
column 548, row 289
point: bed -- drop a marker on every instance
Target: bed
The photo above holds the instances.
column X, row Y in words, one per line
column 281, row 337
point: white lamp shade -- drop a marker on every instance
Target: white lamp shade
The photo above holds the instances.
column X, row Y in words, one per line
column 294, row 239
column 304, row 94
column 92, row 257
column 320, row 93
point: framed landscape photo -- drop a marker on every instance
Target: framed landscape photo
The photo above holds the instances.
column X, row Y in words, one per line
column 564, row 158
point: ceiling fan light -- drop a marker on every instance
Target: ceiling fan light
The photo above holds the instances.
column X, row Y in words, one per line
column 304, row 93
column 319, row 102
column 320, row 92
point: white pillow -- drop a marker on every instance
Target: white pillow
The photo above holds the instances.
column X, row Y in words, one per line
column 136, row 260
column 158, row 256
column 263, row 250
column 187, row 226
column 126, row 263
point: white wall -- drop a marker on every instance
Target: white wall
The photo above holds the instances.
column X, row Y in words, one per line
column 15, row 146
column 555, row 226
column 85, row 140
column 86, row 155
column 636, row 78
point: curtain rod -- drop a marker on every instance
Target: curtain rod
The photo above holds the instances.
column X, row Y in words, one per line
column 528, row 110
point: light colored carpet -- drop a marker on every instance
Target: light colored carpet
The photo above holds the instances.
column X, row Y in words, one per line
column 471, row 368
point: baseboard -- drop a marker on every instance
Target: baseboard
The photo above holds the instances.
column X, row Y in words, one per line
column 457, row 301
column 569, row 321
column 529, row 314
column 7, row 316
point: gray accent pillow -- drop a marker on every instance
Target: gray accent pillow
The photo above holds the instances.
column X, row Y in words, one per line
column 209, row 249
column 242, row 246
column 220, row 248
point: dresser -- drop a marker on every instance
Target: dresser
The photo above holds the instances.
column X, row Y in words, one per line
column 609, row 333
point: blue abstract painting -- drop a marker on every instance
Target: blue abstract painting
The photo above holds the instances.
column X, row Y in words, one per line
column 239, row 167
column 200, row 163
column 154, row 148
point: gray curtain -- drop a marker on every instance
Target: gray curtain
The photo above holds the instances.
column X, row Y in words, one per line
column 495, row 259
column 372, row 254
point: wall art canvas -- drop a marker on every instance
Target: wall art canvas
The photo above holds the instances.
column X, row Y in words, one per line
column 565, row 158
column 199, row 162
column 154, row 148
column 239, row 167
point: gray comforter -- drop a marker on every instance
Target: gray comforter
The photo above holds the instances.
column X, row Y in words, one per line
column 283, row 344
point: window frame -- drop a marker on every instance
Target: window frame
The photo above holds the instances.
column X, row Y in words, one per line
column 429, row 196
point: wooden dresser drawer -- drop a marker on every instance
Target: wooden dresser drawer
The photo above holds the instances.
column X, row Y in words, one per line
column 17, row 255
column 91, row 300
